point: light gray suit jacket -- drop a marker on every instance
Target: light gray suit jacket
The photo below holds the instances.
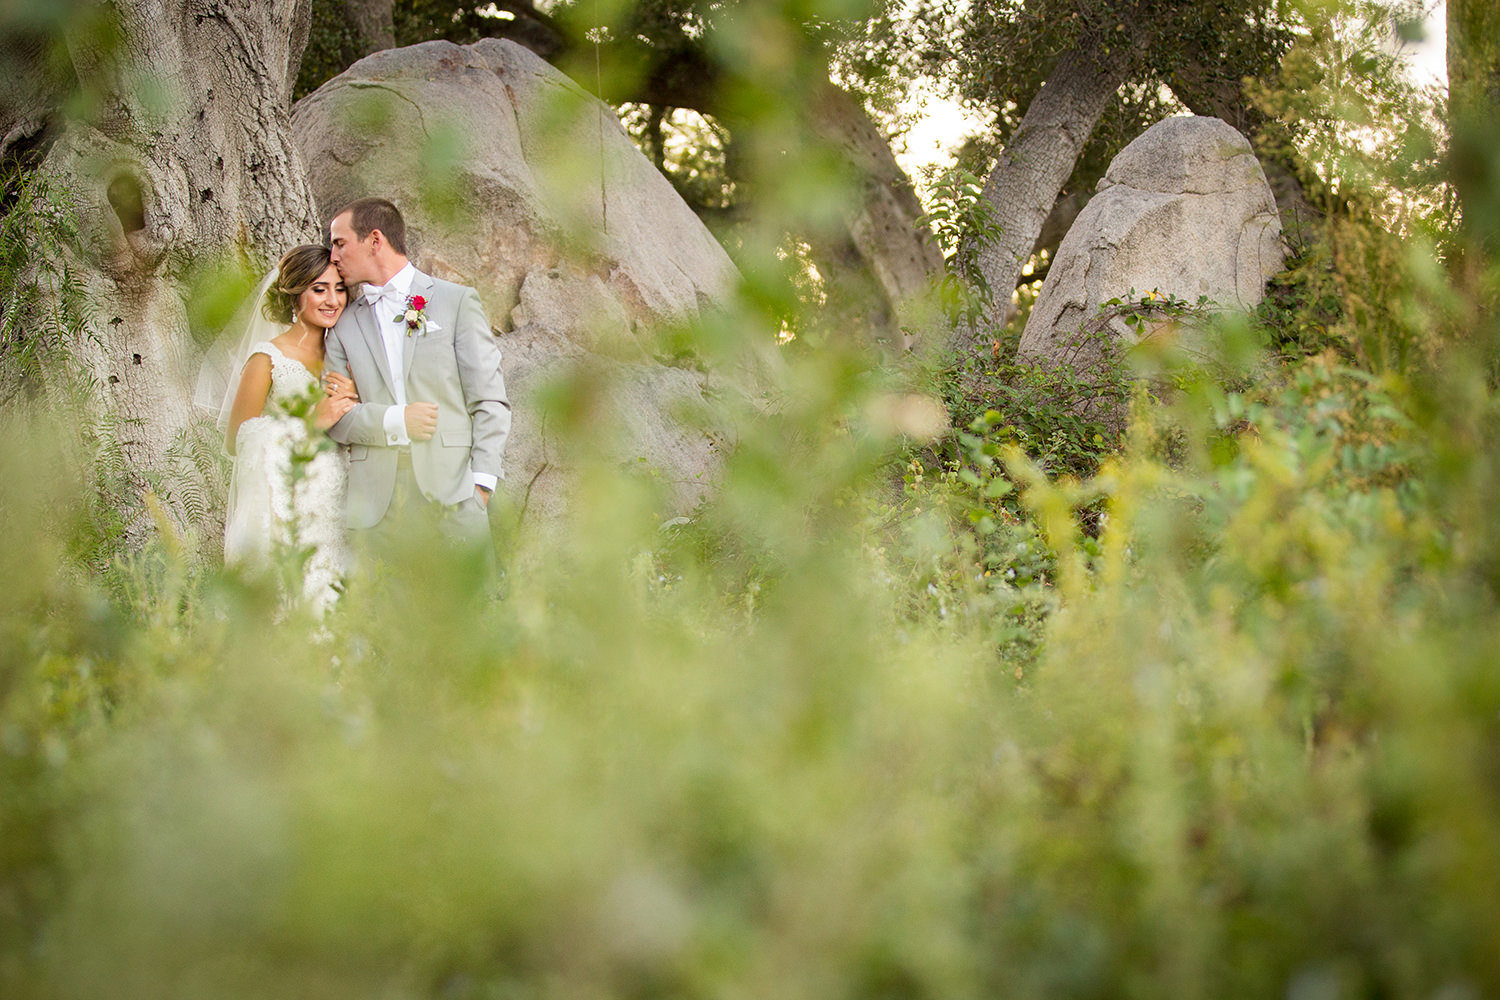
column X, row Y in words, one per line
column 456, row 366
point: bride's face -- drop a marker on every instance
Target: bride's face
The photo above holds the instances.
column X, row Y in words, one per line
column 323, row 301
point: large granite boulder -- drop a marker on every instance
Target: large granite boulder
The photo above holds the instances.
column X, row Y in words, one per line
column 517, row 182
column 1183, row 211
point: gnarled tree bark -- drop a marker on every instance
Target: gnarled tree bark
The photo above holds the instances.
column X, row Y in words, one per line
column 189, row 160
column 884, row 228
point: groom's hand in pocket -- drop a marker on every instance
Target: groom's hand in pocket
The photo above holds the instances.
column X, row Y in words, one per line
column 421, row 421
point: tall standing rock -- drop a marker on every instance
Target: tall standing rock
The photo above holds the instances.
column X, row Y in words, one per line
column 1184, row 211
column 516, row 181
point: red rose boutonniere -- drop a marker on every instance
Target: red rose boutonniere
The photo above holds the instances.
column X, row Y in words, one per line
column 414, row 316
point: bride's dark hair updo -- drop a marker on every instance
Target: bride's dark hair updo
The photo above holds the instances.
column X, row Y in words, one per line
column 299, row 269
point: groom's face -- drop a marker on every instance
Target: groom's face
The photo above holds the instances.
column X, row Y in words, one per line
column 355, row 258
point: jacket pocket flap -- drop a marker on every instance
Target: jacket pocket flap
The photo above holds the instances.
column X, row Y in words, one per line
column 457, row 439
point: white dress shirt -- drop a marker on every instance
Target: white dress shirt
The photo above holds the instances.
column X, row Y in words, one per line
column 388, row 302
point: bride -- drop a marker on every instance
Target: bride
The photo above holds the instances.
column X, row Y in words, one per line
column 287, row 490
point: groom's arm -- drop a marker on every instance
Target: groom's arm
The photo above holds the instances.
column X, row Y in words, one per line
column 365, row 423
column 478, row 357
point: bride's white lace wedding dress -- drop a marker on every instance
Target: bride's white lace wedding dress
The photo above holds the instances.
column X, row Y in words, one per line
column 278, row 505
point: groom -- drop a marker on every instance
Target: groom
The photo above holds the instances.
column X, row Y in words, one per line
column 429, row 431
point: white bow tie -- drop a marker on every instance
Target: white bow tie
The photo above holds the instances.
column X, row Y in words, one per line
column 374, row 295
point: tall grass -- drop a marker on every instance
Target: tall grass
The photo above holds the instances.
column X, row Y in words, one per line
column 785, row 749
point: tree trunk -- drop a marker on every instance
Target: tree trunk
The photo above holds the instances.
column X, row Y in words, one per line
column 190, row 162
column 1473, row 108
column 27, row 103
column 883, row 223
column 1032, row 169
column 373, row 24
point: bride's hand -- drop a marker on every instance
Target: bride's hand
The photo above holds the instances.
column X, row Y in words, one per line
column 330, row 410
column 337, row 385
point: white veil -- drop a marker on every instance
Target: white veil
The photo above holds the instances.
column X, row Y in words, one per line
column 247, row 507
column 219, row 375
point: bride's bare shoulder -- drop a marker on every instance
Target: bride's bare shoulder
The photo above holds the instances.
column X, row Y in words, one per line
column 257, row 368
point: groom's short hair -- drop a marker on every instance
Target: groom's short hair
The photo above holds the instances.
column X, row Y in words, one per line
column 369, row 214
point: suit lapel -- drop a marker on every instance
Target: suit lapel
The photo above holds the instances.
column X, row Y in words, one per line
column 421, row 285
column 364, row 315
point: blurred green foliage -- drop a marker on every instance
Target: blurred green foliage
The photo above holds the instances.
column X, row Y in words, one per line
column 880, row 719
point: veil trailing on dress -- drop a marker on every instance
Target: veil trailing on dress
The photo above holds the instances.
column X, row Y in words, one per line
column 219, row 375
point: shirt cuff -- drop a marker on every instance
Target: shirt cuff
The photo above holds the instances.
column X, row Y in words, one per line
column 486, row 480
column 394, row 423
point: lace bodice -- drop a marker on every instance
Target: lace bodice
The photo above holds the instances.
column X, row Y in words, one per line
column 290, row 378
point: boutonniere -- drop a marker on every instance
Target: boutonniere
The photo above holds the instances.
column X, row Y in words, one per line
column 415, row 316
